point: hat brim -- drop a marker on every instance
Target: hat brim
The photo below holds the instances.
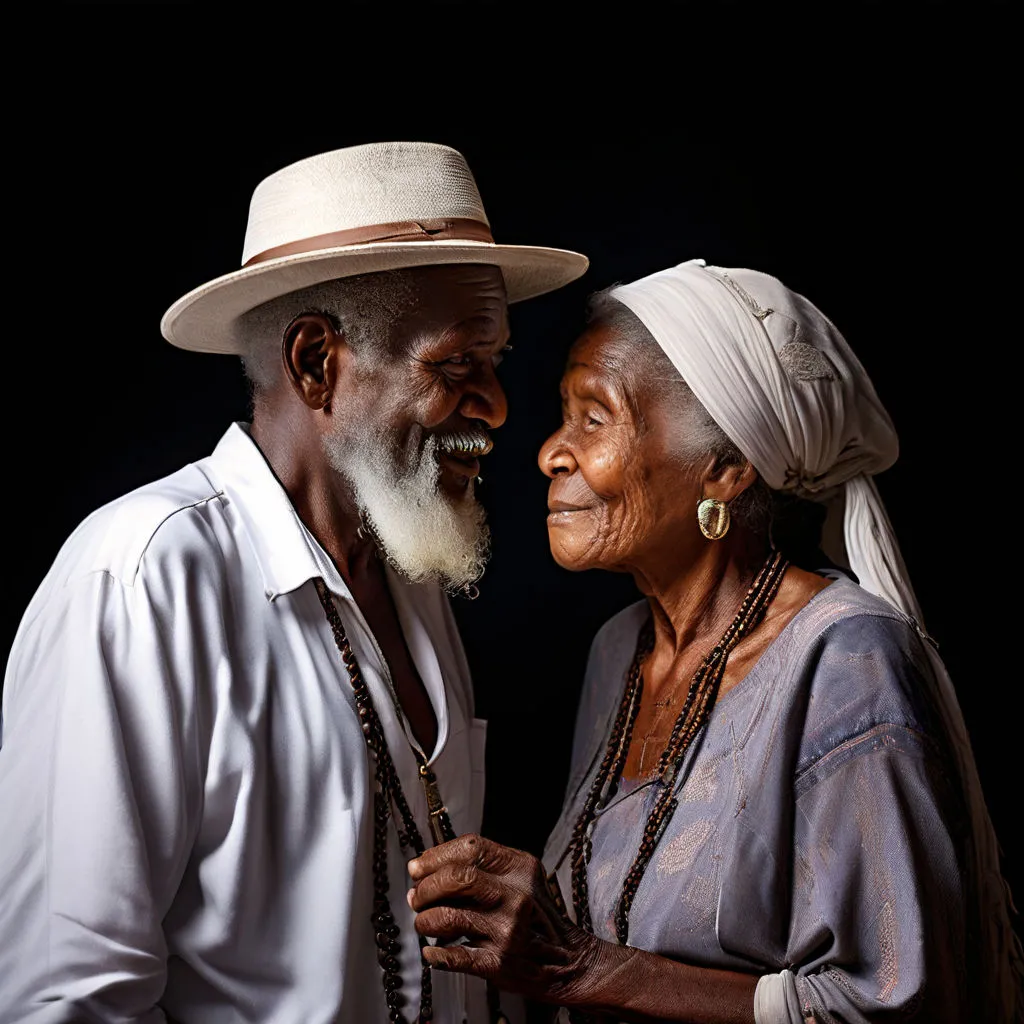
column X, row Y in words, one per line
column 205, row 319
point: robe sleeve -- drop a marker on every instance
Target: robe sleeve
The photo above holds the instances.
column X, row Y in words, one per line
column 877, row 902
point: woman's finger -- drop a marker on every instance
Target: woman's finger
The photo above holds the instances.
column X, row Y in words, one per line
column 468, row 849
column 448, row 923
column 459, row 883
column 465, row 849
column 466, row 959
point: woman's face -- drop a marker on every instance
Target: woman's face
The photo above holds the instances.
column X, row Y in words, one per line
column 622, row 491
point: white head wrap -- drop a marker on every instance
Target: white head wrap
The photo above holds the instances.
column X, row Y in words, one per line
column 780, row 380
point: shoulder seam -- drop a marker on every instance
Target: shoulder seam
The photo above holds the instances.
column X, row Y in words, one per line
column 877, row 736
column 156, row 529
column 872, row 613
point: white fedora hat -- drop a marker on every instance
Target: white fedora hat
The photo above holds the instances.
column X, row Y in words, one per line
column 355, row 211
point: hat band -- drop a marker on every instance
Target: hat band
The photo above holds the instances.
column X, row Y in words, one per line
column 461, row 228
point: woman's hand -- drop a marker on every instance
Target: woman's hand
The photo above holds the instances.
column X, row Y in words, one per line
column 497, row 898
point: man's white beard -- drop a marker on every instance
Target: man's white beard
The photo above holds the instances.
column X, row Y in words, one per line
column 424, row 533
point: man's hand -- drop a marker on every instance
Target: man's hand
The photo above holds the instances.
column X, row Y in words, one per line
column 497, row 898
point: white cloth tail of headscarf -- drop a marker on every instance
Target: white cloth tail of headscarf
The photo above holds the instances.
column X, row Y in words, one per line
column 778, row 377
column 871, row 548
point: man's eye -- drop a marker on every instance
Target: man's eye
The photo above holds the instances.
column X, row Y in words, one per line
column 499, row 356
column 461, row 360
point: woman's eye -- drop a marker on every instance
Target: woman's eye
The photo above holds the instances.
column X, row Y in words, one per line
column 461, row 360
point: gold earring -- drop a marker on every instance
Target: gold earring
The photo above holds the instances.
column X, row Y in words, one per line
column 713, row 518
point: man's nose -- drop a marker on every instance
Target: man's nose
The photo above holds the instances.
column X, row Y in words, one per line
column 484, row 398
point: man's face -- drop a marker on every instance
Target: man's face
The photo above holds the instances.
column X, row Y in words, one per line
column 412, row 416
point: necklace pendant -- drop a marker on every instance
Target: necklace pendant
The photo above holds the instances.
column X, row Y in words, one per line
column 433, row 794
column 441, row 827
column 437, row 814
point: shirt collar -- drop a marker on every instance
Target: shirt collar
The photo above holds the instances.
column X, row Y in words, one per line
column 287, row 553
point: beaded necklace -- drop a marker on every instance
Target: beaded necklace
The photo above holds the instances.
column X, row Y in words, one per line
column 693, row 715
column 387, row 793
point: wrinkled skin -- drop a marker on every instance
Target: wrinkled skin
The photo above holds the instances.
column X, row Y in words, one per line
column 627, row 471
column 497, row 896
column 622, row 485
column 434, row 373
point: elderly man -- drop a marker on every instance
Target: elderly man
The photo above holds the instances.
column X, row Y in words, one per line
column 238, row 704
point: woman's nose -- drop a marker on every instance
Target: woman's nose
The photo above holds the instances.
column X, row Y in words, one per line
column 555, row 456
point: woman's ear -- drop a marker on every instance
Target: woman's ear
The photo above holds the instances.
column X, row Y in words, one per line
column 728, row 481
column 308, row 349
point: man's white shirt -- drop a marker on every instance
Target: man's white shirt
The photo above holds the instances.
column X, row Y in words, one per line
column 186, row 815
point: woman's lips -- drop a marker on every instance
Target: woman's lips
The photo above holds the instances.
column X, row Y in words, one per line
column 568, row 495
column 561, row 513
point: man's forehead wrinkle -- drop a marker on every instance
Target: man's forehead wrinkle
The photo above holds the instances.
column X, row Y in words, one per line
column 486, row 321
column 476, row 324
column 485, row 304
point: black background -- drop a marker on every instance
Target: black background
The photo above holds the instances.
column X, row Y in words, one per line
column 876, row 180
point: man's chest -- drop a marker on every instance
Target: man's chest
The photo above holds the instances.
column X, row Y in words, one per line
column 395, row 661
column 282, row 743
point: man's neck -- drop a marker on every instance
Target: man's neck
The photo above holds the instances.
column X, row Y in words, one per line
column 325, row 503
column 321, row 497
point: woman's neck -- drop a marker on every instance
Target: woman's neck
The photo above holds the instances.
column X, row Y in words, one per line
column 694, row 596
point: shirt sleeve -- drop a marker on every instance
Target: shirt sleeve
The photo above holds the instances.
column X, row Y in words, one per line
column 99, row 800
column 877, row 903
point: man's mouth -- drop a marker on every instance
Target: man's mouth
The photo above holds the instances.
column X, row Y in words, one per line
column 463, row 467
column 465, row 445
column 461, row 451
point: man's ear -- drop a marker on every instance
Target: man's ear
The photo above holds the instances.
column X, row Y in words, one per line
column 309, row 351
column 728, row 481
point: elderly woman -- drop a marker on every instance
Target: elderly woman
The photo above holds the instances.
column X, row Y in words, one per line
column 773, row 813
